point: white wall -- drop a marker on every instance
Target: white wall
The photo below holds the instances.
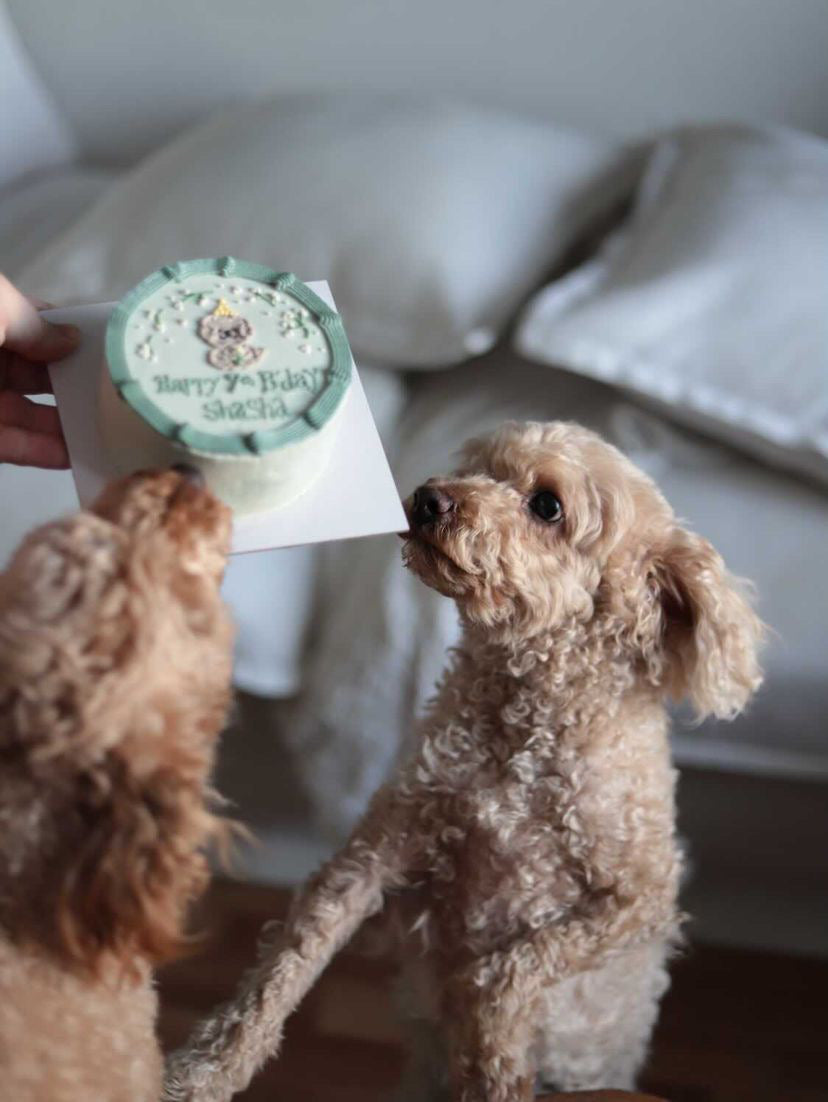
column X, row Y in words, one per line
column 129, row 72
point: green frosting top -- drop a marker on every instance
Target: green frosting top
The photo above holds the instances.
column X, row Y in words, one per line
column 227, row 357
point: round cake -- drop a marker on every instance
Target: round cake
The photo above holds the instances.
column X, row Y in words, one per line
column 236, row 369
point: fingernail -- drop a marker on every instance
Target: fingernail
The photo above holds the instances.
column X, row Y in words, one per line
column 65, row 337
column 69, row 333
column 40, row 303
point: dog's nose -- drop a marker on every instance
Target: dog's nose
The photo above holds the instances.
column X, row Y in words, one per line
column 429, row 504
column 191, row 474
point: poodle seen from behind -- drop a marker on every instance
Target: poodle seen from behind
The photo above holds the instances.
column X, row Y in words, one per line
column 527, row 850
column 115, row 654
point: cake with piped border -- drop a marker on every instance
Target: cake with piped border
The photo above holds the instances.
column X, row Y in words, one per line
column 234, row 368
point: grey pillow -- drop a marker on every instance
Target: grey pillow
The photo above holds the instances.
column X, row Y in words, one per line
column 430, row 221
column 711, row 300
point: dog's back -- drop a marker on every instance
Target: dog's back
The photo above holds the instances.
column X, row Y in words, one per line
column 66, row 1038
column 115, row 655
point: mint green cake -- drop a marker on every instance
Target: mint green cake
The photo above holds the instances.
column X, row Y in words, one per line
column 234, row 368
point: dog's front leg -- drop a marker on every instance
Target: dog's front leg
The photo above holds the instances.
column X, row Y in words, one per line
column 491, row 1021
column 227, row 1049
column 489, row 1030
column 578, row 943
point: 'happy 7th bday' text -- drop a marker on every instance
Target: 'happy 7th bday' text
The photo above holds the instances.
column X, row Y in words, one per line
column 255, row 394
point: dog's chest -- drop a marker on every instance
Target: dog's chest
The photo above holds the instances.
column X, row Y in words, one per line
column 522, row 815
column 507, row 840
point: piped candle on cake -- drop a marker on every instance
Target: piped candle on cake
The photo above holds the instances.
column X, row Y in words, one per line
column 234, row 368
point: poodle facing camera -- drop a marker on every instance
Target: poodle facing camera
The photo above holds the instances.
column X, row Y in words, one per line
column 528, row 847
column 115, row 658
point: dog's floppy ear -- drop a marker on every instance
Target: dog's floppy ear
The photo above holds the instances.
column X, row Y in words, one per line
column 137, row 863
column 704, row 634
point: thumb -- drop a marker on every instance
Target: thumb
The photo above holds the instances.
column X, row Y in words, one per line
column 24, row 331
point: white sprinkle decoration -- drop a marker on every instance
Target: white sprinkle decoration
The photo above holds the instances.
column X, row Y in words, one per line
column 180, row 321
column 306, row 348
column 144, row 351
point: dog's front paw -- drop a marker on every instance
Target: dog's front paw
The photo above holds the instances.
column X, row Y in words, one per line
column 184, row 1081
column 176, row 1088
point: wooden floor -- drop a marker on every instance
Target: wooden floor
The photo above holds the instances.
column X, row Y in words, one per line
column 735, row 1026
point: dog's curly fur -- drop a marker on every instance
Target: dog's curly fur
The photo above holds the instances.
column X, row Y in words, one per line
column 530, row 840
column 115, row 655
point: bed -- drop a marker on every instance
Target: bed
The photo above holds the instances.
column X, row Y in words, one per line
column 338, row 647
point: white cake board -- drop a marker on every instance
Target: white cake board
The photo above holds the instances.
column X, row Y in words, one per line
column 354, row 496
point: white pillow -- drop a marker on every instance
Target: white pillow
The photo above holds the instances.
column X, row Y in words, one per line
column 431, row 222
column 35, row 210
column 713, row 299
column 33, row 133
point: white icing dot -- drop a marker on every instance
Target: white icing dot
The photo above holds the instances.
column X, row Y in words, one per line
column 305, row 348
column 178, row 304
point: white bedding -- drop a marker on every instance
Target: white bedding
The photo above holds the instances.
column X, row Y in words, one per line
column 39, row 207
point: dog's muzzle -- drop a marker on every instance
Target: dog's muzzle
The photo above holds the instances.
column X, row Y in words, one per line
column 190, row 474
column 429, row 504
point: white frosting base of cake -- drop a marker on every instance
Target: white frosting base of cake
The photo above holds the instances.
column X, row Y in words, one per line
column 248, row 484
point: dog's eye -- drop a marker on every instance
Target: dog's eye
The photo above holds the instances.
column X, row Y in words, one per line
column 545, row 505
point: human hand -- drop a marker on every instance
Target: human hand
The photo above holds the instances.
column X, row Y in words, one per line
column 30, row 434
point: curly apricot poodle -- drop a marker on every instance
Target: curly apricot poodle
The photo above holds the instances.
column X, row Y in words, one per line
column 115, row 654
column 529, row 845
